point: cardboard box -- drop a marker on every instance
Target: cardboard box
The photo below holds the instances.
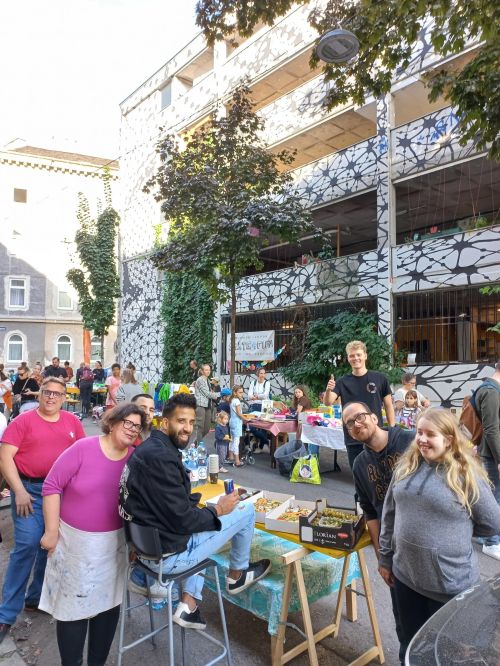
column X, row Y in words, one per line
column 343, row 538
column 260, row 516
column 250, row 491
column 274, row 523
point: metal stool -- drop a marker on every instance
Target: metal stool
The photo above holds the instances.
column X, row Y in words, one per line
column 145, row 542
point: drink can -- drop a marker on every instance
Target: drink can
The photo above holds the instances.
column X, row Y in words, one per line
column 229, row 486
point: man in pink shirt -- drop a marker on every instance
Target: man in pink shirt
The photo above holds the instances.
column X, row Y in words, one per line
column 30, row 446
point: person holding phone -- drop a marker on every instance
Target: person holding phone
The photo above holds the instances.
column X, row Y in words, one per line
column 25, row 391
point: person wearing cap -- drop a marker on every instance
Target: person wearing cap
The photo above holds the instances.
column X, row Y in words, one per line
column 224, row 404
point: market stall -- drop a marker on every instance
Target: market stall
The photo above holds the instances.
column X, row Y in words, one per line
column 303, row 569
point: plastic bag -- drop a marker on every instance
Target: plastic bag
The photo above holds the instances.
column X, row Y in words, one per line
column 306, row 470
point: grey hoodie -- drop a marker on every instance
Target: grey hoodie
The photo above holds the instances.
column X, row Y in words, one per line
column 426, row 534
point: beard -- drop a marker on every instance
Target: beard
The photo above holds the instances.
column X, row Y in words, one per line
column 177, row 443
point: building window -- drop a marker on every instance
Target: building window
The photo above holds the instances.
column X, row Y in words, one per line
column 64, row 301
column 64, row 347
column 166, row 96
column 17, row 293
column 95, row 348
column 20, row 196
column 15, row 348
column 449, row 326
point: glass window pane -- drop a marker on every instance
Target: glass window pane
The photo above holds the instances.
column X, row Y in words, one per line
column 64, row 300
column 15, row 349
column 17, row 289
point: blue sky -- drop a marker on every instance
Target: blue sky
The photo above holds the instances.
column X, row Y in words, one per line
column 67, row 64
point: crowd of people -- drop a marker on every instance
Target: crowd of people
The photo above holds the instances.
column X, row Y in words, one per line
column 423, row 489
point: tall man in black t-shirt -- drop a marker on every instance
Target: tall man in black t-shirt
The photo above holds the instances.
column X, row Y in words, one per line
column 55, row 370
column 362, row 385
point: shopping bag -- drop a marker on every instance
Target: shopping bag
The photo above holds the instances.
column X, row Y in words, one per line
column 306, row 470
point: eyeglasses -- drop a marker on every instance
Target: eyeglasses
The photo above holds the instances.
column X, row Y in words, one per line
column 130, row 425
column 52, row 394
column 359, row 418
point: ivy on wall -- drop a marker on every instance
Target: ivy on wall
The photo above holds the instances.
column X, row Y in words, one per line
column 187, row 313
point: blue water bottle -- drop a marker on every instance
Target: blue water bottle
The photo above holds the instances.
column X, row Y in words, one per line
column 202, row 463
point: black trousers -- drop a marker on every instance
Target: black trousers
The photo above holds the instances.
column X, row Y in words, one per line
column 85, row 396
column 71, row 638
column 413, row 610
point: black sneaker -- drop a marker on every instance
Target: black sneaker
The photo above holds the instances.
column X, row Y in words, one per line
column 4, row 630
column 189, row 619
column 228, row 462
column 32, row 607
column 255, row 572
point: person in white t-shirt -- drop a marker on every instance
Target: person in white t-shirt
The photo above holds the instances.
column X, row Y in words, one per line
column 409, row 382
column 259, row 390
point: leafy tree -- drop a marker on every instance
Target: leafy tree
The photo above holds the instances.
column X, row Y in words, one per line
column 225, row 198
column 488, row 291
column 386, row 32
column 188, row 312
column 324, row 352
column 96, row 282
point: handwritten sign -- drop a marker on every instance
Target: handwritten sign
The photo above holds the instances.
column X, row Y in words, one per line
column 253, row 346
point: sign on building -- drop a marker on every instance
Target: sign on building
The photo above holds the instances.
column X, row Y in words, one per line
column 253, row 346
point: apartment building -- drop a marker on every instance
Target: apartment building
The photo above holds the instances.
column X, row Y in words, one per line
column 413, row 215
column 39, row 315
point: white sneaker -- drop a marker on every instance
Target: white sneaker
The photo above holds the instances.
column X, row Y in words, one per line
column 158, row 592
column 492, row 551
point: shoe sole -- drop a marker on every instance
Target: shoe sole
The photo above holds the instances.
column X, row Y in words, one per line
column 189, row 625
column 245, row 587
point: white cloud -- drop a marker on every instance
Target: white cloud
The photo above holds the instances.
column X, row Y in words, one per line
column 66, row 66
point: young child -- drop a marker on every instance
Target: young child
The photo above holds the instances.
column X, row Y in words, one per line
column 222, row 438
column 439, row 497
column 408, row 414
column 236, row 425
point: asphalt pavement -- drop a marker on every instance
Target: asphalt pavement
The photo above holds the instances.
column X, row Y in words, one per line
column 34, row 639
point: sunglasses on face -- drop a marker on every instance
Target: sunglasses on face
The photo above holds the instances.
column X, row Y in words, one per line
column 52, row 394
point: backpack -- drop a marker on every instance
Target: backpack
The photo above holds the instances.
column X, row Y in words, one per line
column 87, row 375
column 470, row 418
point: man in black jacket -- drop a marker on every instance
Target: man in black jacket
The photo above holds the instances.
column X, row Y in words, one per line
column 373, row 467
column 155, row 491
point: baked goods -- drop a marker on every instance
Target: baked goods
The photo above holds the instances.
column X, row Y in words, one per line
column 264, row 505
column 333, row 518
column 293, row 514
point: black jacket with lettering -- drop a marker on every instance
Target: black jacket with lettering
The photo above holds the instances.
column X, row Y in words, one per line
column 373, row 471
column 155, row 491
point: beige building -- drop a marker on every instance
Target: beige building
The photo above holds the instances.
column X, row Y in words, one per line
column 39, row 316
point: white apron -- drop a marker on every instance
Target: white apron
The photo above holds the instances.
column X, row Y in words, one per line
column 85, row 574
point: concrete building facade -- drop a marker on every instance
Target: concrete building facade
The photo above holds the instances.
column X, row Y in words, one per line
column 39, row 315
column 414, row 214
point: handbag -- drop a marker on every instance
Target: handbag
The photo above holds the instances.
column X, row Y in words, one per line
column 306, row 470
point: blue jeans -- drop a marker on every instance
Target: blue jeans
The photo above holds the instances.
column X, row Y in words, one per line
column 491, row 468
column 237, row 527
column 25, row 557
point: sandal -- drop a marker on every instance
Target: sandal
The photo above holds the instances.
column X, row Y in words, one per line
column 242, row 464
column 222, row 470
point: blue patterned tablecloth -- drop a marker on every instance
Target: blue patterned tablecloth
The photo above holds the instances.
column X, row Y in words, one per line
column 322, row 576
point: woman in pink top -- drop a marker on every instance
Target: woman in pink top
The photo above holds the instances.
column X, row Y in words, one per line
column 113, row 383
column 83, row 581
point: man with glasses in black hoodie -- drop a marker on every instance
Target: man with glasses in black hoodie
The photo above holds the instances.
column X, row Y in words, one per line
column 373, row 467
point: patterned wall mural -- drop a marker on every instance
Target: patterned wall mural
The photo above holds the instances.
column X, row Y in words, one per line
column 468, row 258
column 141, row 330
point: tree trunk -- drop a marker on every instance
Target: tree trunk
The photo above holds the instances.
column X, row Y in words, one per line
column 102, row 350
column 233, row 334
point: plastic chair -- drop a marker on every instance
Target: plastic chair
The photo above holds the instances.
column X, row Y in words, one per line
column 145, row 542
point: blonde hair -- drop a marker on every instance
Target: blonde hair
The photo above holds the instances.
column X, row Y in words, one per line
column 462, row 469
column 220, row 415
column 355, row 344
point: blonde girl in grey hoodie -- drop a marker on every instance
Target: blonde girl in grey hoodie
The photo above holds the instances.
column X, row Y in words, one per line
column 438, row 499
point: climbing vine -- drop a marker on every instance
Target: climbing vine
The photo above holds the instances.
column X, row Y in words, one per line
column 187, row 312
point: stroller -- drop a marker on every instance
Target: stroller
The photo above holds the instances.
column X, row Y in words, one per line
column 97, row 413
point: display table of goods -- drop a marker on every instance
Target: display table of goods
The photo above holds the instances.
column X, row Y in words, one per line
column 305, row 567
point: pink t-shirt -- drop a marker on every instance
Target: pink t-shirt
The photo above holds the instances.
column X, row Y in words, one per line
column 112, row 384
column 88, row 482
column 40, row 442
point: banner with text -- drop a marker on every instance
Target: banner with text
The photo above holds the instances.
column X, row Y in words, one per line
column 253, row 346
